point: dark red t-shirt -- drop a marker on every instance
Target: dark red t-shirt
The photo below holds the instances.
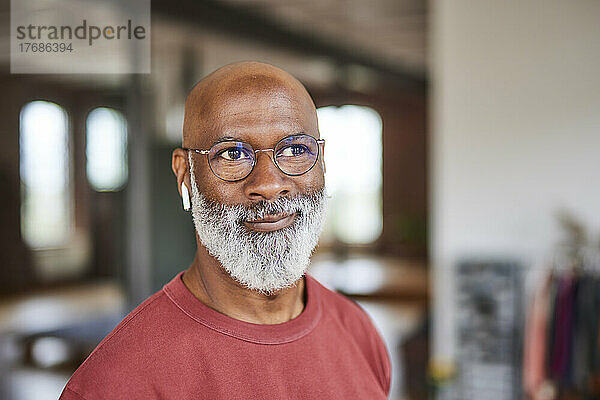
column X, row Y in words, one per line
column 172, row 346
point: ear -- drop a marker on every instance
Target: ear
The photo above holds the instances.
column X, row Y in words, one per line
column 180, row 167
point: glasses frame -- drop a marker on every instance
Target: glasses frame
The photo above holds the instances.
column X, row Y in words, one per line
column 272, row 150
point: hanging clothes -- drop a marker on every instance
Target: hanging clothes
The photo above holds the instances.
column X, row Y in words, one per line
column 563, row 330
column 534, row 362
column 562, row 337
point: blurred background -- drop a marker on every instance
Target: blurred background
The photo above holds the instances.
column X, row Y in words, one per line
column 468, row 228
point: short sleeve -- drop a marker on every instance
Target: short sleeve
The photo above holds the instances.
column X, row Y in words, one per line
column 385, row 373
column 375, row 350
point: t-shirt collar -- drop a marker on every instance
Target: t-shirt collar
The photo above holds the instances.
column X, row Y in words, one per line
column 256, row 333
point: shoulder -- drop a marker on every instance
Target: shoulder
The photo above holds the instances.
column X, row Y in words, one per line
column 356, row 324
column 125, row 352
column 343, row 309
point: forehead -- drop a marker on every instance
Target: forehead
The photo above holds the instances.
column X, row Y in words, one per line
column 256, row 111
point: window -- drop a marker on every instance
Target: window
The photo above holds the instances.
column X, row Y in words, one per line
column 353, row 178
column 106, row 149
column 46, row 213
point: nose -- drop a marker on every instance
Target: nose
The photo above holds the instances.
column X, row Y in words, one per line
column 266, row 182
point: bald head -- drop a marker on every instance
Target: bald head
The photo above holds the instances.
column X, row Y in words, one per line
column 244, row 97
column 269, row 110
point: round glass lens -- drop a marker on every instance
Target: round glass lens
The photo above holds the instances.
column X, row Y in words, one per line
column 231, row 161
column 295, row 155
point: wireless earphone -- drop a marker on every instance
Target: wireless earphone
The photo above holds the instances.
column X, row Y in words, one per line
column 185, row 196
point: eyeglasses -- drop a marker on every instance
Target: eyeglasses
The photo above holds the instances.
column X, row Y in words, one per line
column 233, row 161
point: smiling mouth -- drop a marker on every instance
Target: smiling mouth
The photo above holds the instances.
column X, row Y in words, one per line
column 271, row 222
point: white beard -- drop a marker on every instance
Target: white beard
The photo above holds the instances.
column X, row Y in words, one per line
column 263, row 261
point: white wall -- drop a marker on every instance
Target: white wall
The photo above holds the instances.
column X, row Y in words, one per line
column 515, row 132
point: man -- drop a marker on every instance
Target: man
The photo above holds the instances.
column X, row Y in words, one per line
column 244, row 321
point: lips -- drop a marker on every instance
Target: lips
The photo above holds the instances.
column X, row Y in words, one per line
column 271, row 222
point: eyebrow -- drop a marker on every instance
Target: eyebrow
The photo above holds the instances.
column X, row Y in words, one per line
column 226, row 139
column 235, row 139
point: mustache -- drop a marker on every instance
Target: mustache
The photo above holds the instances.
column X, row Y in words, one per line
column 262, row 208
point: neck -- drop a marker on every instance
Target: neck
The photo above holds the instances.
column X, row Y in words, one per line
column 213, row 286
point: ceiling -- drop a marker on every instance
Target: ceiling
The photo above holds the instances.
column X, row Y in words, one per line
column 392, row 30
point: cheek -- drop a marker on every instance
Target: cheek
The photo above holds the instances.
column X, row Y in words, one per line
column 209, row 185
column 312, row 181
column 321, row 174
column 218, row 190
column 230, row 193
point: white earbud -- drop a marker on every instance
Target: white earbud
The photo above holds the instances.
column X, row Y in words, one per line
column 185, row 196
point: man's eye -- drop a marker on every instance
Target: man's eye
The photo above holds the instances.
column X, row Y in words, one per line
column 293, row 150
column 233, row 154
